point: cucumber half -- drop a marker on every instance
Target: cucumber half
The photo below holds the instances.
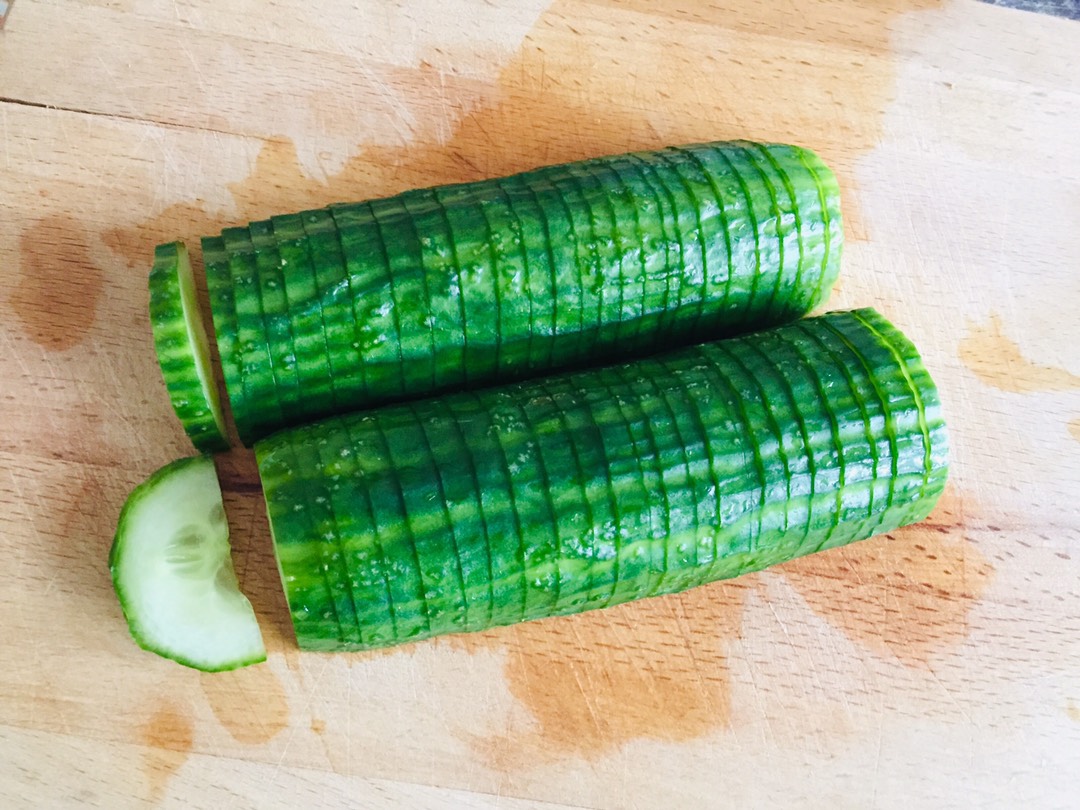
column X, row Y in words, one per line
column 183, row 349
column 173, row 573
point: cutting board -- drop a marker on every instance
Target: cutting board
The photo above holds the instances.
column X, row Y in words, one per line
column 938, row 666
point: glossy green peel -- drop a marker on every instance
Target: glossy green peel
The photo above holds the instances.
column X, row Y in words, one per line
column 182, row 348
column 435, row 289
column 584, row 490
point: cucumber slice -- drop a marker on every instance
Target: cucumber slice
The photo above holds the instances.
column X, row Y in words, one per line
column 173, row 572
column 183, row 349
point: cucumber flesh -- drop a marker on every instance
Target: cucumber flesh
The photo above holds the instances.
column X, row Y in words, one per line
column 182, row 348
column 173, row 573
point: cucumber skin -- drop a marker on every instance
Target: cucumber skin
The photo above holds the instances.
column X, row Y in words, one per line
column 223, row 309
column 755, row 490
column 172, row 347
column 560, row 267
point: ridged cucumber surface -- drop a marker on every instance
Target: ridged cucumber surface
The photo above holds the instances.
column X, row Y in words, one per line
column 182, row 348
column 591, row 488
column 560, row 267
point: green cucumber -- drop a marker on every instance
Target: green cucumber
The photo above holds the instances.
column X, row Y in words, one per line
column 335, row 299
column 182, row 348
column 443, row 286
column 492, row 479
column 474, row 257
column 173, row 573
column 315, row 367
column 409, row 291
column 538, row 264
column 563, row 266
column 262, row 400
column 375, row 315
column 541, row 517
column 219, row 285
column 275, row 313
column 511, row 278
column 552, row 230
column 592, row 488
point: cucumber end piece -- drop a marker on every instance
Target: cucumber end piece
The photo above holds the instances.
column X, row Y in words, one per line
column 172, row 569
column 183, row 348
column 829, row 189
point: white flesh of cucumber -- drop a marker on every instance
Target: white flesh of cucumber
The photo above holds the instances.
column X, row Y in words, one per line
column 173, row 572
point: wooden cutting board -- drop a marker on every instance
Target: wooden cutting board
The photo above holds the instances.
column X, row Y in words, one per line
column 935, row 667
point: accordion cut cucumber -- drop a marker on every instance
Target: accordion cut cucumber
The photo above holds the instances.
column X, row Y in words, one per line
column 183, row 349
column 464, row 285
column 173, row 572
column 584, row 490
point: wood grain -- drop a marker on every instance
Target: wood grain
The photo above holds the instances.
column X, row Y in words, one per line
column 931, row 668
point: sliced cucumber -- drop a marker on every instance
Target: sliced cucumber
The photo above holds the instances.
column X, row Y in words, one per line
column 182, row 347
column 578, row 491
column 561, row 267
column 173, row 572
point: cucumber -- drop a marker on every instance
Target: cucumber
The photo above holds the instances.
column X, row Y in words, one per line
column 173, row 573
column 262, row 399
column 560, row 267
column 375, row 316
column 591, row 488
column 335, row 299
column 275, row 309
column 219, row 284
column 315, row 367
column 409, row 293
column 182, row 348
column 447, row 308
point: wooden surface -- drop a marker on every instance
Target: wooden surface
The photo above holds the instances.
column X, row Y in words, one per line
column 937, row 667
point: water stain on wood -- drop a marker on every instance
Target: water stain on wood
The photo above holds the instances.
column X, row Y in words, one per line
column 1072, row 709
column 318, row 726
column 997, row 360
column 59, row 285
column 170, row 734
column 634, row 96
column 905, row 595
column 1074, row 428
column 252, row 551
column 655, row 670
column 659, row 669
column 249, row 703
